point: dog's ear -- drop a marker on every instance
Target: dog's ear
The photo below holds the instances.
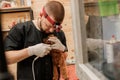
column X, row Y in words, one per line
column 46, row 41
column 51, row 35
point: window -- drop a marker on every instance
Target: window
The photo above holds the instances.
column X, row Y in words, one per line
column 96, row 39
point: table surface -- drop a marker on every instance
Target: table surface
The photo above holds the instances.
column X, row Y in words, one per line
column 71, row 73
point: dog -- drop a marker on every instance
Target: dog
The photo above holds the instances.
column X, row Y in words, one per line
column 58, row 59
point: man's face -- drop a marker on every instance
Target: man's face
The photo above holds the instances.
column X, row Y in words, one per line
column 47, row 26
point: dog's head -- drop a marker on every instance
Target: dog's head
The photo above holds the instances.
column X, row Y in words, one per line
column 46, row 41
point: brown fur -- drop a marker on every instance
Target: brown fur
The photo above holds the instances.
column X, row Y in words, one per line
column 58, row 58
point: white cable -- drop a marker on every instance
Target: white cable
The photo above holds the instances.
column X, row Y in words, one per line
column 33, row 67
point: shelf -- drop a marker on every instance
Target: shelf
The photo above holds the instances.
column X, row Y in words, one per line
column 18, row 9
column 10, row 15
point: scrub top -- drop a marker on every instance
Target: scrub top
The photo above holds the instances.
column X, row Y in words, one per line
column 26, row 34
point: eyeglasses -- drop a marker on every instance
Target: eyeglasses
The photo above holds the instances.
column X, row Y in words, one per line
column 55, row 24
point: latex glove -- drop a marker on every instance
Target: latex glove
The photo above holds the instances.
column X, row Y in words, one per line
column 58, row 45
column 39, row 50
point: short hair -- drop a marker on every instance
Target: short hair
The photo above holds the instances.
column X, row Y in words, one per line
column 55, row 9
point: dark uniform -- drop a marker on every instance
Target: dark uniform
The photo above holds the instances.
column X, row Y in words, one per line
column 26, row 34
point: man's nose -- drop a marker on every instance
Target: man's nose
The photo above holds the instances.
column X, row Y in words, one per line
column 52, row 29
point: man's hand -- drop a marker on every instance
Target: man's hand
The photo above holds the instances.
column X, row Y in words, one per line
column 58, row 45
column 39, row 50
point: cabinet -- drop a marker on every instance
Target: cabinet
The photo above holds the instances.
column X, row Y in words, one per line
column 10, row 16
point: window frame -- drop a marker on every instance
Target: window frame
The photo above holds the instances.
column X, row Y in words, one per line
column 84, row 70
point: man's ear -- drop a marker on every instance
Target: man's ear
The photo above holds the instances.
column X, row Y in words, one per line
column 41, row 12
column 39, row 17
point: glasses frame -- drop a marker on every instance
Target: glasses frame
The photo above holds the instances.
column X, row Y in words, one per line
column 55, row 24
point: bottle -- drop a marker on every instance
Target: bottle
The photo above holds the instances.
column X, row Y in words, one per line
column 113, row 39
column 22, row 3
column 18, row 20
column 28, row 2
column 109, row 49
column 13, row 3
column 26, row 18
column 110, row 53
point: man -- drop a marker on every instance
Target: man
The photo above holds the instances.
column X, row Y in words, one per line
column 25, row 41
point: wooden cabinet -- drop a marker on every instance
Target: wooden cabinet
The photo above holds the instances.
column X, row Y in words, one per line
column 11, row 16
